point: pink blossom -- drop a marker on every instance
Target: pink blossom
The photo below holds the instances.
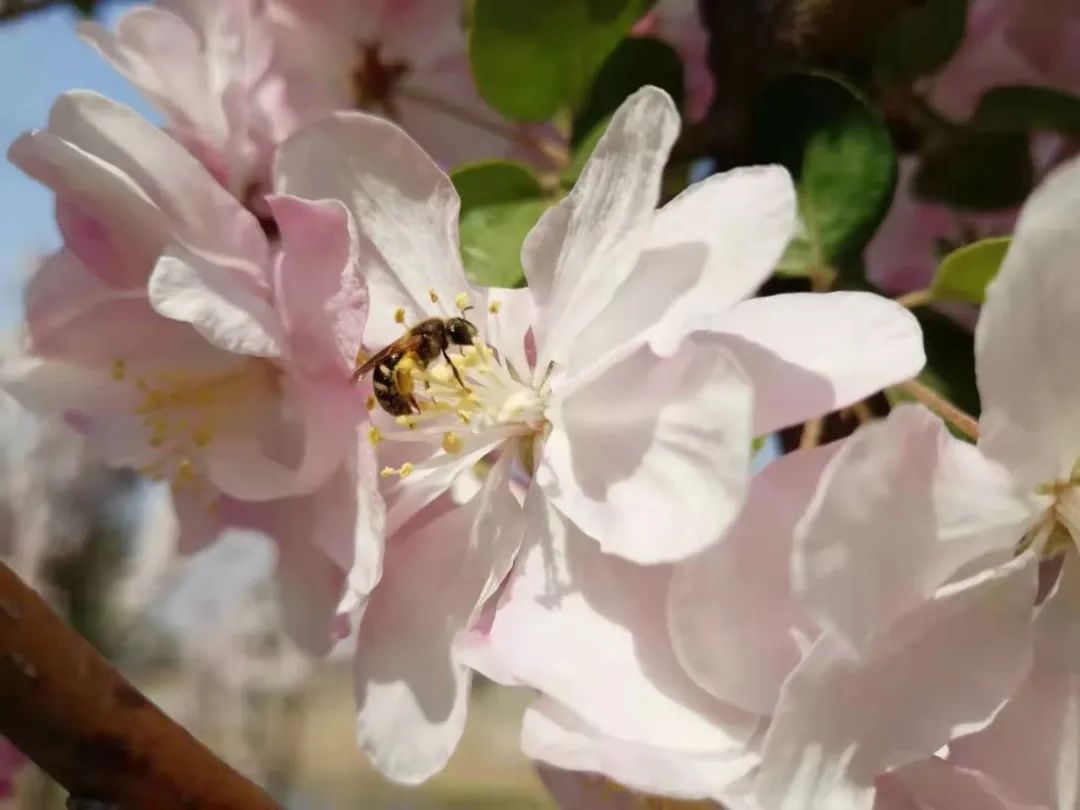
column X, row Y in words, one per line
column 622, row 298
column 407, row 61
column 12, row 762
column 207, row 66
column 679, row 23
column 170, row 333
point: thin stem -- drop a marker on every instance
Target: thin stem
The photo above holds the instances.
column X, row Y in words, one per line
column 64, row 706
column 942, row 407
column 915, row 298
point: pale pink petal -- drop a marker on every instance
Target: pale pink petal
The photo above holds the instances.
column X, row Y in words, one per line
column 901, row 509
column 511, row 315
column 734, row 622
column 1033, row 745
column 582, row 250
column 588, row 630
column 1023, row 342
column 656, row 476
column 216, row 300
column 321, row 298
column 404, row 206
column 554, row 735
column 842, row 719
column 809, row 354
column 933, row 784
column 311, row 588
column 412, row 694
column 706, row 250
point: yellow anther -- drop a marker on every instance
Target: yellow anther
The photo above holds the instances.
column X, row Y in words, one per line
column 399, row 315
column 371, row 402
column 434, row 296
column 406, row 420
column 464, row 415
column 202, row 435
column 405, row 470
column 494, row 307
column 119, row 370
column 374, row 436
column 451, row 442
column 185, row 470
column 461, row 301
column 387, row 472
column 361, row 357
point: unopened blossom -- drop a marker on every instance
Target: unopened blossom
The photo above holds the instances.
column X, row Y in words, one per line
column 406, row 61
column 206, row 65
column 168, row 333
column 626, row 383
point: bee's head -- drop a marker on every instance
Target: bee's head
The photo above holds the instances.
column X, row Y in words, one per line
column 460, row 331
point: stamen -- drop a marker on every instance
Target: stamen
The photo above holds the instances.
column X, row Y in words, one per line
column 361, row 357
column 374, row 436
column 452, row 443
column 119, row 370
column 371, row 402
column 461, row 301
column 405, row 470
column 434, row 296
column 494, row 307
column 399, row 315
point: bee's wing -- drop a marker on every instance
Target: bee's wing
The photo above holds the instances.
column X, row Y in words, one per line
column 406, row 343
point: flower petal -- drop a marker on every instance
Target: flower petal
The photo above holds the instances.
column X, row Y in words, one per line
column 901, row 509
column 588, row 630
column 1024, row 340
column 554, row 735
column 1033, row 745
column 706, row 250
column 809, row 354
column 582, row 250
column 412, row 694
column 656, row 476
column 914, row 688
column 731, row 613
column 404, row 206
column 933, row 784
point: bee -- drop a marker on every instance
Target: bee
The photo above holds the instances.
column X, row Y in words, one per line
column 422, row 343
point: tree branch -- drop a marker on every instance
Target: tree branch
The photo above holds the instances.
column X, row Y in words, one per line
column 66, row 708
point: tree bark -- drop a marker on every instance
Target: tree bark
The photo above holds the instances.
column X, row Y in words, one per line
column 65, row 707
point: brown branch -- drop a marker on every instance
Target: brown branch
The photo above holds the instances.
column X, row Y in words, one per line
column 66, row 708
column 13, row 9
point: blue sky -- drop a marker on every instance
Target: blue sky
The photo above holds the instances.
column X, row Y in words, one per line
column 40, row 57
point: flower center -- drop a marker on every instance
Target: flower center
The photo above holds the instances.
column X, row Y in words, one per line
column 183, row 411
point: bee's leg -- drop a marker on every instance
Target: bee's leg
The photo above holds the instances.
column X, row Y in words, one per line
column 457, row 376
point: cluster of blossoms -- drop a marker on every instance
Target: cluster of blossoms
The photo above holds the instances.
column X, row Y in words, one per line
column 562, row 499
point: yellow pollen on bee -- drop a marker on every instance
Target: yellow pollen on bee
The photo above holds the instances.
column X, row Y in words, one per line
column 399, row 315
column 374, row 436
column 452, row 443
column 434, row 296
column 371, row 402
column 461, row 301
column 119, row 370
column 494, row 307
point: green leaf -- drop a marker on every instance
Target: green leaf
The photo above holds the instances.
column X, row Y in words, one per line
column 1025, row 109
column 839, row 151
column 531, row 59
column 632, row 65
column 964, row 274
column 920, row 39
column 491, row 238
column 977, row 169
column 494, row 181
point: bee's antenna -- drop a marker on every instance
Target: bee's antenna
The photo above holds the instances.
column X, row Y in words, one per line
column 466, row 309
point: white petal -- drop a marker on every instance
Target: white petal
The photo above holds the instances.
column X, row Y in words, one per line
column 942, row 671
column 651, row 456
column 900, row 510
column 412, row 694
column 552, row 734
column 509, row 327
column 218, row 302
column 582, row 250
column 934, row 784
column 706, row 250
column 588, row 629
column 1033, row 745
column 404, row 206
column 734, row 622
column 809, row 354
column 1025, row 338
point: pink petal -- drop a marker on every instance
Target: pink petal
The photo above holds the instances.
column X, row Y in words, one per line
column 412, row 694
column 933, row 784
column 734, row 622
column 659, row 475
column 901, row 509
column 588, row 630
column 843, row 719
column 809, row 354
column 1033, row 745
column 1025, row 365
column 582, row 250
